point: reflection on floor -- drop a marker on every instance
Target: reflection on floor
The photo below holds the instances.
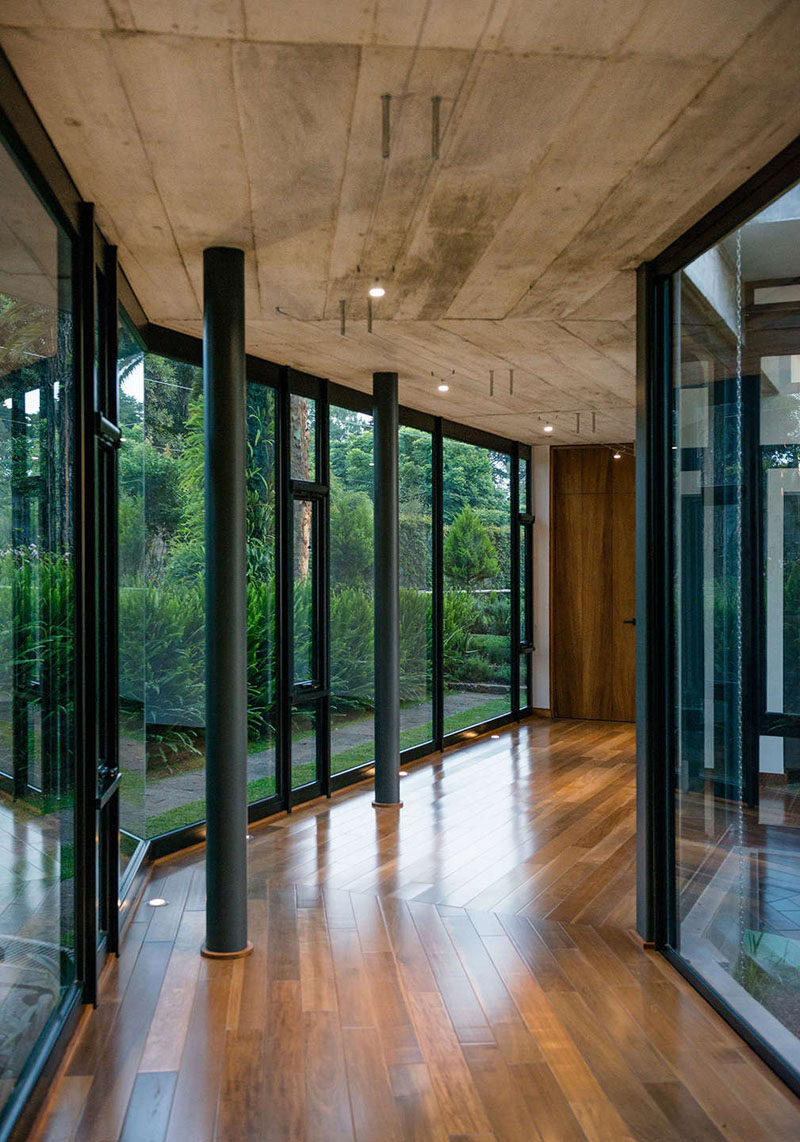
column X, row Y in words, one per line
column 30, row 953
column 463, row 968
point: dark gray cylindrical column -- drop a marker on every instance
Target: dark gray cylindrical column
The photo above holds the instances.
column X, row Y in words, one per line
column 387, row 592
column 226, row 603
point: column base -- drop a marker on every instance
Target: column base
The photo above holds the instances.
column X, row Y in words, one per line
column 387, row 804
column 245, row 951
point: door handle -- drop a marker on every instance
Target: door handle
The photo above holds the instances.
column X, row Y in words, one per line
column 630, row 622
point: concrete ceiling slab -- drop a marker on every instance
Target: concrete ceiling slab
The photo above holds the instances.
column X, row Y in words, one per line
column 577, row 139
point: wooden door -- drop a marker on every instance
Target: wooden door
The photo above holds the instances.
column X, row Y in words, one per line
column 592, row 588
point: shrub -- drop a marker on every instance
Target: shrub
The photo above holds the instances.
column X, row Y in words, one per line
column 351, row 539
column 352, row 653
column 162, row 637
column 469, row 554
column 459, row 619
column 260, row 657
column 415, row 644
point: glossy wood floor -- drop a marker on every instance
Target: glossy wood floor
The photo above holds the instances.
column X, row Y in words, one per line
column 463, row 969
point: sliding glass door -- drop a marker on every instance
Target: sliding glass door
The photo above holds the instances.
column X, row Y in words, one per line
column 735, row 542
column 37, row 623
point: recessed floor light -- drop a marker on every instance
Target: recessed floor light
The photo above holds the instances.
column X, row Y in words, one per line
column 403, row 773
column 495, row 737
column 157, row 902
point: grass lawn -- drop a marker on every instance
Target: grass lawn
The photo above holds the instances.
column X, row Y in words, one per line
column 363, row 754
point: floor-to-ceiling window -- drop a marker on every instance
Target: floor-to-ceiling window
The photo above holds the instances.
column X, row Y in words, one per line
column 261, row 593
column 416, row 587
column 37, row 636
column 161, row 603
column 132, row 547
column 352, row 653
column 477, row 636
column 735, row 452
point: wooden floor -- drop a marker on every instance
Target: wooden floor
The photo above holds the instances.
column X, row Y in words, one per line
column 463, row 969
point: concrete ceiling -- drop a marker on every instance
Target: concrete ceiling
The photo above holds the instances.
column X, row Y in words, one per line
column 578, row 137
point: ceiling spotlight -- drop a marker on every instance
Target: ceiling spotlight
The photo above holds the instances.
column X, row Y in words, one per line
column 548, row 428
column 157, row 902
column 443, row 388
column 617, row 455
column 377, row 290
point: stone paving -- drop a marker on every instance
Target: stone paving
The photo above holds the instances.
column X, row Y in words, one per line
column 182, row 789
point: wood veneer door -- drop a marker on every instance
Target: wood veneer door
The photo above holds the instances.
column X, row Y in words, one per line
column 593, row 597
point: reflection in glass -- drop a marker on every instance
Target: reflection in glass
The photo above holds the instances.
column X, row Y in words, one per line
column 161, row 601
column 303, row 438
column 37, row 668
column 304, row 514
column 352, row 656
column 477, row 581
column 416, row 581
column 261, row 587
column 132, row 540
column 737, row 425
column 304, row 745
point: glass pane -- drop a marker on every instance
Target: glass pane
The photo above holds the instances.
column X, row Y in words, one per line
column 303, row 438
column 523, row 583
column 304, row 745
column 523, row 485
column 132, row 538
column 261, row 712
column 524, row 673
column 303, row 624
column 37, row 670
column 172, row 453
column 737, row 413
column 416, row 581
column 477, row 582
column 351, row 599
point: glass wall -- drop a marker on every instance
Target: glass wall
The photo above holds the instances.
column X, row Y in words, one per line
column 261, row 597
column 161, row 604
column 736, row 536
column 352, row 655
column 416, row 587
column 477, row 584
column 132, row 545
column 37, row 637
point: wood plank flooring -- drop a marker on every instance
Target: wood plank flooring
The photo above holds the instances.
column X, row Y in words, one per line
column 465, row 969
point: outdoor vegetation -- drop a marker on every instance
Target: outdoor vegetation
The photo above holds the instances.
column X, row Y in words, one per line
column 162, row 678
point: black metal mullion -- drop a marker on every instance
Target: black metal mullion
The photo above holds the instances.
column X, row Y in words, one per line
column 285, row 659
column 437, row 603
column 322, row 575
column 109, row 721
column 85, row 534
column 20, row 598
column 516, row 585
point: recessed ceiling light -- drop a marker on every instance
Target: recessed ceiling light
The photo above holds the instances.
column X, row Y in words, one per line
column 495, row 737
column 617, row 455
column 548, row 428
column 403, row 773
column 377, row 291
column 443, row 388
column 157, row 902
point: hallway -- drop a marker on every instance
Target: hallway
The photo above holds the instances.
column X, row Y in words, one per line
column 465, row 969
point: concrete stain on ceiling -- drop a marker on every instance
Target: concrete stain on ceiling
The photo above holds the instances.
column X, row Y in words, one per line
column 576, row 139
